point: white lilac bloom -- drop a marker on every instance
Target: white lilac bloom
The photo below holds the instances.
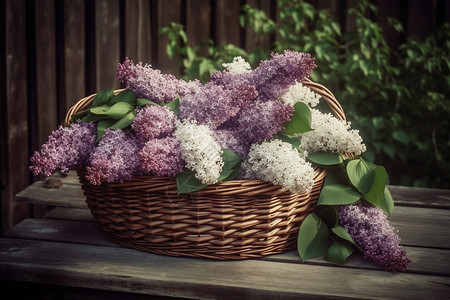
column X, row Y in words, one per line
column 237, row 66
column 278, row 162
column 300, row 93
column 332, row 135
column 200, row 150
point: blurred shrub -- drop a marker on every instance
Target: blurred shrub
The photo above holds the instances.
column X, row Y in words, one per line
column 397, row 98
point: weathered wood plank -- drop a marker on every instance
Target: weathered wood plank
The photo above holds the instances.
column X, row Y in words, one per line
column 68, row 213
column 74, row 52
column 107, row 43
column 46, row 80
column 254, row 41
column 68, row 195
column 198, row 22
column 425, row 260
column 226, row 20
column 167, row 11
column 422, row 226
column 15, row 114
column 87, row 233
column 138, row 31
column 422, row 197
column 121, row 269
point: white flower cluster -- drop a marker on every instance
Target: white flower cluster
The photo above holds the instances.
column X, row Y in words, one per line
column 277, row 162
column 331, row 134
column 300, row 93
column 200, row 151
column 237, row 66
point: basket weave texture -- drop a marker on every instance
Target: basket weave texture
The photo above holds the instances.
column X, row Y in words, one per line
column 235, row 219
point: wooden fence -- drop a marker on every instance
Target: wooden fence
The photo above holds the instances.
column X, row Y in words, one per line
column 54, row 52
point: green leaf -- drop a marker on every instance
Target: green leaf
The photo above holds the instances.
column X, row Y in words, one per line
column 92, row 118
column 338, row 194
column 377, row 193
column 102, row 97
column 340, row 232
column 126, row 96
column 328, row 214
column 142, row 102
column 119, row 110
column 301, row 119
column 361, row 174
column 338, row 252
column 174, row 105
column 389, row 201
column 313, row 237
column 231, row 163
column 288, row 138
column 124, row 121
column 325, row 158
column 99, row 110
column 187, row 182
column 79, row 115
column 102, row 125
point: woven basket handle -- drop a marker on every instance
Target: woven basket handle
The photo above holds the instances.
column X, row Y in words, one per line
column 327, row 96
column 315, row 87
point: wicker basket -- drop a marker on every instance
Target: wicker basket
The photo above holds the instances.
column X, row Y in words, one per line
column 235, row 219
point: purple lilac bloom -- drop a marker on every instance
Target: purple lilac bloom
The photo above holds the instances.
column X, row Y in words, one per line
column 162, row 157
column 370, row 229
column 153, row 122
column 149, row 83
column 260, row 120
column 115, row 159
column 273, row 77
column 66, row 149
column 229, row 139
column 213, row 104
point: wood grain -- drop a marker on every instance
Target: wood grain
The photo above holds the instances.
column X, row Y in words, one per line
column 424, row 260
column 126, row 270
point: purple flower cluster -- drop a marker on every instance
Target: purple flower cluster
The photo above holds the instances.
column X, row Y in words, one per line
column 115, row 159
column 370, row 229
column 239, row 108
column 153, row 122
column 273, row 78
column 149, row 83
column 261, row 120
column 66, row 149
column 213, row 104
column 162, row 157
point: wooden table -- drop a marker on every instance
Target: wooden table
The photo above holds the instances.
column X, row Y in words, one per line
column 65, row 254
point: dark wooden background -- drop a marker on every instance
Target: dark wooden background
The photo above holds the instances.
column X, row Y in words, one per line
column 54, row 52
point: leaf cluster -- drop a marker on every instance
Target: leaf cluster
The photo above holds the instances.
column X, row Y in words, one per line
column 349, row 180
column 116, row 111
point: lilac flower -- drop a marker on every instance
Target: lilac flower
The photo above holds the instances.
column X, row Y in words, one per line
column 260, row 120
column 370, row 229
column 273, row 77
column 115, row 159
column 213, row 104
column 149, row 83
column 153, row 122
column 229, row 139
column 66, row 149
column 162, row 157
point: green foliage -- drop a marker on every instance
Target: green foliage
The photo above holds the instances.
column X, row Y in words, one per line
column 397, row 98
column 116, row 111
column 187, row 182
column 321, row 234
